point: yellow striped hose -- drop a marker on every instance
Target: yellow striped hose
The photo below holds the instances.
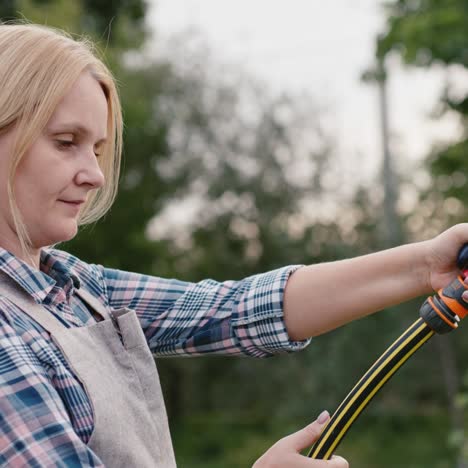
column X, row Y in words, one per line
column 372, row 381
column 439, row 314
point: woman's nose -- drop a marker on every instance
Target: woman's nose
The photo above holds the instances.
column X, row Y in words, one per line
column 90, row 172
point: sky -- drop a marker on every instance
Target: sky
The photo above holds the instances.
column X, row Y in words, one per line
column 321, row 48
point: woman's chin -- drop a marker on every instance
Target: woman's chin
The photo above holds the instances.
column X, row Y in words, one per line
column 69, row 235
column 68, row 232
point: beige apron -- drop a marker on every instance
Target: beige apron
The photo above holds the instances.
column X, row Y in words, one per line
column 112, row 360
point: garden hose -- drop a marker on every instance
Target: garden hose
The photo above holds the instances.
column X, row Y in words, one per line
column 439, row 314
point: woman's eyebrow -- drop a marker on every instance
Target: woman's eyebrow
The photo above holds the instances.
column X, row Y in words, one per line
column 75, row 128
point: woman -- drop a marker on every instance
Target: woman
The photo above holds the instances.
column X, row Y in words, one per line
column 78, row 382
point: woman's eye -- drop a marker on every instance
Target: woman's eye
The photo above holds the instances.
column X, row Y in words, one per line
column 67, row 144
column 63, row 144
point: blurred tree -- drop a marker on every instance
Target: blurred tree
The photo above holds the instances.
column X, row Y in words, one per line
column 427, row 33
column 391, row 228
column 7, row 9
column 120, row 22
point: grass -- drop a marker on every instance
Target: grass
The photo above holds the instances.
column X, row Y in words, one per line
column 377, row 441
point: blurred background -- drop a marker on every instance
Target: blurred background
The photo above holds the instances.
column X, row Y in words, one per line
column 260, row 134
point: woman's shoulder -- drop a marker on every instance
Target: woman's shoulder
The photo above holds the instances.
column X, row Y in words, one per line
column 67, row 259
column 87, row 272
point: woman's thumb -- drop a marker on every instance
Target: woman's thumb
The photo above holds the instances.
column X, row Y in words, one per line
column 308, row 435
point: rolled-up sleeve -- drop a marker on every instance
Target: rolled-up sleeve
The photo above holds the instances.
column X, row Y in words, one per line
column 231, row 317
column 259, row 322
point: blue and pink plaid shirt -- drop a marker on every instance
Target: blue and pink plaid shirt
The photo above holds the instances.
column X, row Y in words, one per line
column 178, row 318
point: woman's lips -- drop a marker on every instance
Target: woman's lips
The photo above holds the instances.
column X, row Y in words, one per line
column 73, row 204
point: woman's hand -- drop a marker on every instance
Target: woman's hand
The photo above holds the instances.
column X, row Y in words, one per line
column 286, row 452
column 441, row 255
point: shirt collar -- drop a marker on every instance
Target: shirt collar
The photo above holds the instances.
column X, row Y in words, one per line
column 39, row 283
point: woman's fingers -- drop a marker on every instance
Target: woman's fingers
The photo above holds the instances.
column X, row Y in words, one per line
column 306, row 436
column 286, row 452
column 338, row 462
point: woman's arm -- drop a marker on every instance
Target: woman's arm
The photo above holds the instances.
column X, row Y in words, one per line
column 185, row 318
column 321, row 297
column 228, row 317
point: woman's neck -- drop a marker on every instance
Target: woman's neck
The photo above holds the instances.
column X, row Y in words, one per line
column 31, row 256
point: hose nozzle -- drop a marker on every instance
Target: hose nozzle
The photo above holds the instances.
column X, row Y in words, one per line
column 443, row 311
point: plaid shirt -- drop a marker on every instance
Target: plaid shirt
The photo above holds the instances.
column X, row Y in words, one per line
column 45, row 416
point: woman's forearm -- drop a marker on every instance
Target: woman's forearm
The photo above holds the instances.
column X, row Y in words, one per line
column 324, row 296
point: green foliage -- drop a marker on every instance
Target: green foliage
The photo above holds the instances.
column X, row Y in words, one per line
column 119, row 24
column 59, row 13
column 385, row 440
column 7, row 9
column 426, row 31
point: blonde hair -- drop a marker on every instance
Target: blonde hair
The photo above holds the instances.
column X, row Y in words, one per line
column 38, row 67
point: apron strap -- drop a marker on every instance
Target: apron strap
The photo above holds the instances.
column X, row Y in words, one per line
column 95, row 304
column 16, row 294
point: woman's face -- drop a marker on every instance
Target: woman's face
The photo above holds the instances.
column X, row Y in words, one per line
column 54, row 178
